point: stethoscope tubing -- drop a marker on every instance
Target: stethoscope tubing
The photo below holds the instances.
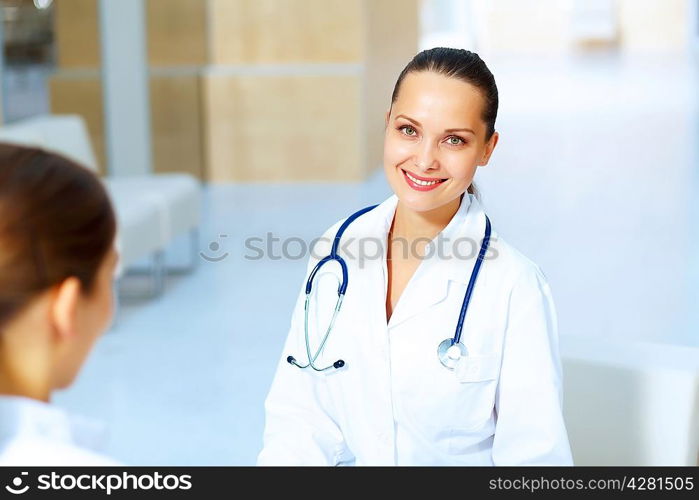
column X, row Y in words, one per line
column 312, row 359
column 472, row 282
column 342, row 288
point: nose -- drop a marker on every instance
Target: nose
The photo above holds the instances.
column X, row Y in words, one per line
column 425, row 159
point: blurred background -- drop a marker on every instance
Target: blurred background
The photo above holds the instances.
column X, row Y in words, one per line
column 216, row 121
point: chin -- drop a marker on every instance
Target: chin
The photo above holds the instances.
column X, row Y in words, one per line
column 65, row 381
column 419, row 202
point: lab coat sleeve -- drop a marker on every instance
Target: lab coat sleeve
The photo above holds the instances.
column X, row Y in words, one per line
column 299, row 424
column 530, row 429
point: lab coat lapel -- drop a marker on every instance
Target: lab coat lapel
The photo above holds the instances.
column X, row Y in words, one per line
column 426, row 288
column 367, row 278
column 430, row 283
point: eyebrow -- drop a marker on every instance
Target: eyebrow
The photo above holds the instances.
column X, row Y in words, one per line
column 447, row 130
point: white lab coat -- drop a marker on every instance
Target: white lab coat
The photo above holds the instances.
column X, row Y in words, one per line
column 34, row 433
column 394, row 403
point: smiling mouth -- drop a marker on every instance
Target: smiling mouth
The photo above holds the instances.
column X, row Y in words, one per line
column 420, row 183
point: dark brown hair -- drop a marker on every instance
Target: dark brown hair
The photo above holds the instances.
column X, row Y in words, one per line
column 464, row 65
column 56, row 221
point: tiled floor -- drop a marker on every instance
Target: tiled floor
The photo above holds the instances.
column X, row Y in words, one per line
column 594, row 179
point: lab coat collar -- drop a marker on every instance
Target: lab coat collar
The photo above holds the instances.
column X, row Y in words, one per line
column 25, row 417
column 460, row 243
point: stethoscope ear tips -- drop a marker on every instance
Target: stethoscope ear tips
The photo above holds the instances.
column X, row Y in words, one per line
column 291, row 360
column 338, row 364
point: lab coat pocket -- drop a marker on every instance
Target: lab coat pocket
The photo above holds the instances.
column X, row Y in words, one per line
column 476, row 377
column 477, row 368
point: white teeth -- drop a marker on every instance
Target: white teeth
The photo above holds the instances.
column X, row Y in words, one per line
column 419, row 182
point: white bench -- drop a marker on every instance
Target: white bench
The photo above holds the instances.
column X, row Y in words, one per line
column 631, row 403
column 151, row 210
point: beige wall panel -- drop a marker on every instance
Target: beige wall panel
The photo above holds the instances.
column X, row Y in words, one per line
column 391, row 41
column 177, row 32
column 82, row 96
column 77, row 33
column 516, row 26
column 654, row 25
column 175, row 118
column 282, row 128
column 285, row 31
column 175, row 124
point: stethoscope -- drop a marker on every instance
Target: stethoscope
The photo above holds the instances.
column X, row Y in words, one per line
column 450, row 351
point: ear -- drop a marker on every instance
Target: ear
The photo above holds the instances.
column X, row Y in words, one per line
column 64, row 308
column 489, row 149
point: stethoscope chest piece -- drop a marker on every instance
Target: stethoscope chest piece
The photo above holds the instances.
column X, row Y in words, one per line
column 451, row 352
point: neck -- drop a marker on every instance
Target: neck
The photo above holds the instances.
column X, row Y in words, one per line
column 12, row 386
column 17, row 378
column 25, row 362
column 411, row 225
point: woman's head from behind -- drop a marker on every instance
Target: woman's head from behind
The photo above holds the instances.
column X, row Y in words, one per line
column 440, row 127
column 57, row 260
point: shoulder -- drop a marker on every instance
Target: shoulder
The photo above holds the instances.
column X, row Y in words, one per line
column 505, row 267
column 526, row 299
column 519, row 273
column 40, row 452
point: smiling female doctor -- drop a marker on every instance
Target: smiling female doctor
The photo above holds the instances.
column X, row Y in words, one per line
column 396, row 381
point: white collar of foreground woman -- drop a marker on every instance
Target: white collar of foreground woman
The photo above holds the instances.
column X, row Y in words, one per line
column 30, row 418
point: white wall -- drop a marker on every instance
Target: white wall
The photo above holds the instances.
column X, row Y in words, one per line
column 125, row 86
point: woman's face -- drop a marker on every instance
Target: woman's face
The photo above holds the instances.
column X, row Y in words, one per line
column 434, row 132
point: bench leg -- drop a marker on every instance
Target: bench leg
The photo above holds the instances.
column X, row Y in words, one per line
column 193, row 256
column 156, row 274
